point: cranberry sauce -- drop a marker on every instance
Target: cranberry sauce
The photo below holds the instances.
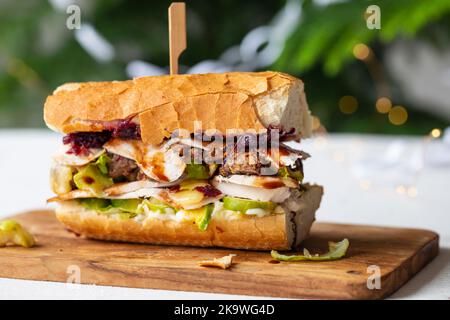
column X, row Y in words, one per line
column 208, row 191
column 80, row 142
column 124, row 129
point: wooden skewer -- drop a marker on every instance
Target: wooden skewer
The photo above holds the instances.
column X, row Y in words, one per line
column 177, row 33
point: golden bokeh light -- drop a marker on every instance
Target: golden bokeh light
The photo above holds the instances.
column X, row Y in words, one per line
column 383, row 105
column 436, row 133
column 398, row 115
column 361, row 51
column 400, row 189
column 348, row 104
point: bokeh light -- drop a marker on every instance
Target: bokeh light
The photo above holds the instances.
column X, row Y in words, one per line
column 400, row 189
column 348, row 104
column 361, row 51
column 436, row 133
column 412, row 192
column 383, row 105
column 398, row 115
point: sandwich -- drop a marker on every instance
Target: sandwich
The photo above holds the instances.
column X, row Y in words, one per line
column 195, row 160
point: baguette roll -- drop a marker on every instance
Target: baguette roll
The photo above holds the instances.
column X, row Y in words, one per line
column 125, row 175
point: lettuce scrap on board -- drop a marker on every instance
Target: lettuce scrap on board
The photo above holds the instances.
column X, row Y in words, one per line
column 337, row 250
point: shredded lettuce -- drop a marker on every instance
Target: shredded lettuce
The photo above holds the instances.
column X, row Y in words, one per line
column 337, row 250
column 125, row 208
column 155, row 205
column 127, row 205
column 129, row 208
column 101, row 205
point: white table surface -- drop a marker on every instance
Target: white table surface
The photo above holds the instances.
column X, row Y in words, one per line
column 24, row 167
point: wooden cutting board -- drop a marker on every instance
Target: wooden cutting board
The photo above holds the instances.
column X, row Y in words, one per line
column 399, row 254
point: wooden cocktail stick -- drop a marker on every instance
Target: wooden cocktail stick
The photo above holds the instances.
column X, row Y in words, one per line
column 177, row 33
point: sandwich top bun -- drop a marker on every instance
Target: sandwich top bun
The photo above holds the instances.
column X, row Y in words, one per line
column 162, row 104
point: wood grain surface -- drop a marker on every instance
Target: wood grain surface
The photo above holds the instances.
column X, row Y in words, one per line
column 399, row 253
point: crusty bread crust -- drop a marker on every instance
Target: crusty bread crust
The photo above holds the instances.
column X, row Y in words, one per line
column 253, row 233
column 236, row 100
column 306, row 213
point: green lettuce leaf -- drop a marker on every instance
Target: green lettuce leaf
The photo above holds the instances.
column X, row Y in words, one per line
column 337, row 250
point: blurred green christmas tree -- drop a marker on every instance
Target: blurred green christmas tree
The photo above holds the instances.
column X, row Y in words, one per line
column 326, row 49
column 38, row 52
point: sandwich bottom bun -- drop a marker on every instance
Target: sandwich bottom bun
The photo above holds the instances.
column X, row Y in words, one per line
column 272, row 232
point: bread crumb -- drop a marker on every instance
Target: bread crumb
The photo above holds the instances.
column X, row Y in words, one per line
column 223, row 263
